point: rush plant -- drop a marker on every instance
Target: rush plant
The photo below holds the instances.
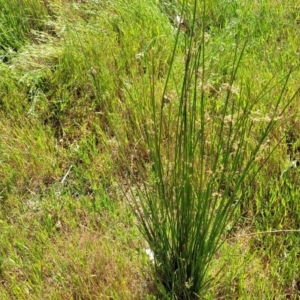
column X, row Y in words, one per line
column 201, row 161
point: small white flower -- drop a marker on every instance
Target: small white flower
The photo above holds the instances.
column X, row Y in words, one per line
column 139, row 55
column 150, row 254
column 179, row 20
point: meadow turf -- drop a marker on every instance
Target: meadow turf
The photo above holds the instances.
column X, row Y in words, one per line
column 78, row 83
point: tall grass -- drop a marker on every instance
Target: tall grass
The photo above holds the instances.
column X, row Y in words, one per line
column 201, row 162
column 19, row 19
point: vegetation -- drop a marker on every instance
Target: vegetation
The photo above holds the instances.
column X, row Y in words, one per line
column 162, row 127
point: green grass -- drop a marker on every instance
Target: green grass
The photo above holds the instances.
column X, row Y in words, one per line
column 79, row 82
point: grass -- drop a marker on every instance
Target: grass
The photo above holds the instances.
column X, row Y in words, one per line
column 79, row 83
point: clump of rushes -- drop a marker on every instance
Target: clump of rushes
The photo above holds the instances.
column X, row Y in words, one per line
column 201, row 162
